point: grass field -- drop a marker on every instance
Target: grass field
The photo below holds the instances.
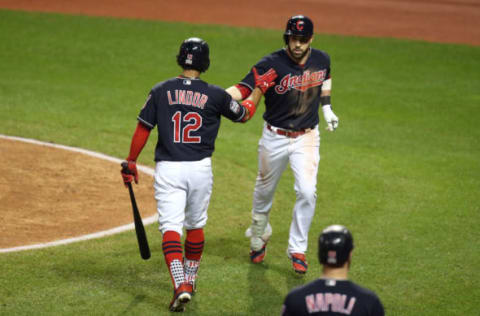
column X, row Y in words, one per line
column 402, row 171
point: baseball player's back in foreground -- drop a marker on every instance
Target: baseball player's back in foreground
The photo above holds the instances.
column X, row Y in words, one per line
column 332, row 297
column 333, row 294
column 187, row 113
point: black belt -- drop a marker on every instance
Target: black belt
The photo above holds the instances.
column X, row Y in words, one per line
column 288, row 133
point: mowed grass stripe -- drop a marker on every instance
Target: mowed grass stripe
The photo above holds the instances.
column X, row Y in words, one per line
column 401, row 171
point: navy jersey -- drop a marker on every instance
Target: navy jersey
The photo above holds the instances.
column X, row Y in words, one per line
column 332, row 297
column 187, row 114
column 294, row 101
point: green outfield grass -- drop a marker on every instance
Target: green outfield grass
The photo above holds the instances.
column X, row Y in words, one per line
column 402, row 171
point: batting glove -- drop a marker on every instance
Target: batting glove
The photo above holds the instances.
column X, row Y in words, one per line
column 129, row 172
column 265, row 81
column 251, row 108
column 330, row 118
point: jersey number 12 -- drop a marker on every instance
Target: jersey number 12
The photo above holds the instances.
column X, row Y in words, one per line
column 182, row 135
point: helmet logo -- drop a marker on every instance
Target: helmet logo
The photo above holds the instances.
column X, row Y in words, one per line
column 299, row 25
column 189, row 59
column 332, row 257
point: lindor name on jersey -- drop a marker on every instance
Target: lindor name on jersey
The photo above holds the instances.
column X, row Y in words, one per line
column 302, row 83
column 187, row 97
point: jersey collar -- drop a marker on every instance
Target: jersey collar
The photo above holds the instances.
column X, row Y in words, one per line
column 190, row 78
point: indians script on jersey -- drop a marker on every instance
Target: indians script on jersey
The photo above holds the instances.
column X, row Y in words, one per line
column 330, row 302
column 302, row 83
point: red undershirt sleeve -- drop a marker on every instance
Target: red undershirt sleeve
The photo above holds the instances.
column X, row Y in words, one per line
column 244, row 90
column 139, row 140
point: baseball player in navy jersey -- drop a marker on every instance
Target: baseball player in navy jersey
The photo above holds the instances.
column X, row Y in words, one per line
column 333, row 294
column 290, row 135
column 187, row 113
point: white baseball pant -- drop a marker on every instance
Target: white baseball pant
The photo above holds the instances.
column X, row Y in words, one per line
column 274, row 153
column 182, row 191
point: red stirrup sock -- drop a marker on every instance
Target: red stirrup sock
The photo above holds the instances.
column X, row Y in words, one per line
column 193, row 253
column 172, row 250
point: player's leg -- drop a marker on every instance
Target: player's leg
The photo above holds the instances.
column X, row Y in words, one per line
column 272, row 161
column 170, row 193
column 304, row 162
column 193, row 255
column 200, row 183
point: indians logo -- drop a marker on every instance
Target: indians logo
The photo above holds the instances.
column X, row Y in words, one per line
column 332, row 257
column 300, row 25
column 301, row 83
column 189, row 59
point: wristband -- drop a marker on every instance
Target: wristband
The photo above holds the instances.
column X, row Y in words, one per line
column 325, row 100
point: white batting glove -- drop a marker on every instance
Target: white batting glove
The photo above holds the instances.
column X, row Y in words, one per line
column 330, row 118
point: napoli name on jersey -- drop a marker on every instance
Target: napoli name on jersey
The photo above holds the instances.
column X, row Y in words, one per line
column 332, row 297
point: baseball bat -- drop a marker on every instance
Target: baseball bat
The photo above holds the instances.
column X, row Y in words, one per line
column 139, row 228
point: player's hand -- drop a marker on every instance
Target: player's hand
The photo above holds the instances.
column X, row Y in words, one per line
column 129, row 172
column 265, row 81
column 330, row 118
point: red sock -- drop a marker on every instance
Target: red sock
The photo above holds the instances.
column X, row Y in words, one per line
column 194, row 244
column 193, row 254
column 172, row 250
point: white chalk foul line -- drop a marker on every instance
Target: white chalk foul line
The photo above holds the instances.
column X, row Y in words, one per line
column 116, row 230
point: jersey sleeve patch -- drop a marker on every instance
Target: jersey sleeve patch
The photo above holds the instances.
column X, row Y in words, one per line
column 234, row 107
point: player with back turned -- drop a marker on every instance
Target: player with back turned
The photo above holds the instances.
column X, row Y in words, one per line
column 333, row 294
column 186, row 111
column 290, row 135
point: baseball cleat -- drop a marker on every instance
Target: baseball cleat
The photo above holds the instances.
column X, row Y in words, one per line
column 258, row 256
column 181, row 296
column 299, row 262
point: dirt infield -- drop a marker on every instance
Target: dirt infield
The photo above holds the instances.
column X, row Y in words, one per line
column 449, row 21
column 55, row 195
column 50, row 193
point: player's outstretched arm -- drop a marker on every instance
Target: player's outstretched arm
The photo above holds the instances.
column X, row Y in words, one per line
column 262, row 84
column 240, row 92
column 250, row 104
column 235, row 92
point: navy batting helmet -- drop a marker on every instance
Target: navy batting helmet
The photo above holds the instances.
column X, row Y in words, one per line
column 194, row 54
column 334, row 245
column 299, row 25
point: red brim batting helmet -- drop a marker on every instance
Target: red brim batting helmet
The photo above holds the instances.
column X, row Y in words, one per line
column 334, row 245
column 299, row 25
column 194, row 54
